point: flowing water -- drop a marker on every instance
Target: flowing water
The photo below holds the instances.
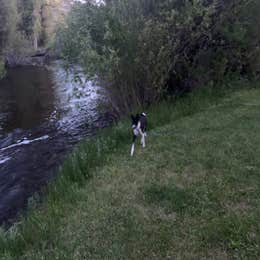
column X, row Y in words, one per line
column 44, row 112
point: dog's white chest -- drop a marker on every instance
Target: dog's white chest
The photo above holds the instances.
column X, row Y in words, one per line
column 136, row 131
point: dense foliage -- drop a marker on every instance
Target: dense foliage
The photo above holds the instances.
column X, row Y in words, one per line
column 145, row 49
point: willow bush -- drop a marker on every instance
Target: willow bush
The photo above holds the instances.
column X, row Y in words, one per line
column 144, row 50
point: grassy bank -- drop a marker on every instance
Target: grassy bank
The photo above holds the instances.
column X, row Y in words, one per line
column 193, row 193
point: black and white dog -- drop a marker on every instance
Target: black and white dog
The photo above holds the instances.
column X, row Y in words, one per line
column 139, row 124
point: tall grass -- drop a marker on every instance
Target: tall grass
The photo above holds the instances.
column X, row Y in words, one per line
column 62, row 194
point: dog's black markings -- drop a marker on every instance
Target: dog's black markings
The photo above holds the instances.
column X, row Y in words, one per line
column 139, row 126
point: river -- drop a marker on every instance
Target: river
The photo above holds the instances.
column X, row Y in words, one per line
column 44, row 113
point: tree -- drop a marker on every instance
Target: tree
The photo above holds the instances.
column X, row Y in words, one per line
column 26, row 25
column 8, row 19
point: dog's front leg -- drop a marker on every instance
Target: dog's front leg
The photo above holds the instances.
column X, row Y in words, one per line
column 143, row 140
column 132, row 149
column 133, row 146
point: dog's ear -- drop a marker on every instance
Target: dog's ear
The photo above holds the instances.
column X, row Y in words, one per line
column 133, row 118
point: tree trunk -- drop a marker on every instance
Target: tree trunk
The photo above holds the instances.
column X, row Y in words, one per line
column 35, row 43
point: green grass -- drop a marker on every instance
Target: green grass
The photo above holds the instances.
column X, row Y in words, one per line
column 193, row 193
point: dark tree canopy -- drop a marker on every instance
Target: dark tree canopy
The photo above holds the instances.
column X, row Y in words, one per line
column 144, row 49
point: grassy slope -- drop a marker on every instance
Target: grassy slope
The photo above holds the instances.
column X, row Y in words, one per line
column 193, row 193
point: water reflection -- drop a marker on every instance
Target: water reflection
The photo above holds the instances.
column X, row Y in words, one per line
column 43, row 114
column 26, row 98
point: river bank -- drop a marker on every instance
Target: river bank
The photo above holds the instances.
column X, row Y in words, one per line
column 193, row 193
column 39, row 58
